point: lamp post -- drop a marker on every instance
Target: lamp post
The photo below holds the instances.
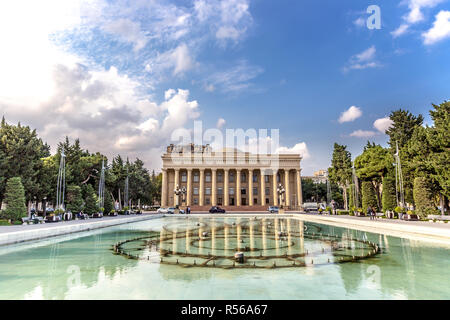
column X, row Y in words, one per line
column 281, row 191
column 177, row 191
column 184, row 193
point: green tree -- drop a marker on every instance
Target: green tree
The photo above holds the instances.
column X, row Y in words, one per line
column 21, row 151
column 402, row 128
column 340, row 171
column 369, row 197
column 15, row 199
column 389, row 198
column 373, row 165
column 74, row 199
column 90, row 206
column 439, row 138
column 423, row 197
column 108, row 205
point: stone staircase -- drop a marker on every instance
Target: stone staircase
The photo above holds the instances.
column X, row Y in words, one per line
column 232, row 208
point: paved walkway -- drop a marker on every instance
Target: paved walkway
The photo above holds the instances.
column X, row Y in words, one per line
column 21, row 233
column 8, row 229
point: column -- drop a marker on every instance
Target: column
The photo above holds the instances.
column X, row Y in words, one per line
column 226, row 195
column 286, row 187
column 164, row 188
column 238, row 187
column 299, row 189
column 275, row 193
column 263, row 188
column 214, row 187
column 202, row 187
column 250, row 187
column 189, row 188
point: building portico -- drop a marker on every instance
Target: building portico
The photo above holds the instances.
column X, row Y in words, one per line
column 230, row 178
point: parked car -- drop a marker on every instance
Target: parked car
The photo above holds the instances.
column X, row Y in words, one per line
column 171, row 211
column 310, row 206
column 273, row 209
column 162, row 210
column 216, row 210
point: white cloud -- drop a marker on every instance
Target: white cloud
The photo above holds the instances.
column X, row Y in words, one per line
column 402, row 29
column 351, row 114
column 363, row 133
column 235, row 79
column 360, row 22
column 178, row 59
column 128, row 31
column 300, row 148
column 363, row 60
column 229, row 19
column 414, row 15
column 220, row 123
column 382, row 124
column 440, row 29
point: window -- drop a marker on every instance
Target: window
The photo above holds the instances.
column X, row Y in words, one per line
column 196, row 177
column 196, row 201
column 243, row 177
column 232, row 191
column 219, row 191
column 208, row 177
column 266, row 178
column 255, row 191
column 231, row 176
column 208, row 191
column 255, row 201
column 184, row 177
column 220, row 201
column 208, row 202
column 196, row 191
column 278, row 178
column 219, row 177
column 267, row 191
column 255, row 177
column 267, row 201
column 243, row 191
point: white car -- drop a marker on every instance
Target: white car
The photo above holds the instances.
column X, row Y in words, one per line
column 163, row 210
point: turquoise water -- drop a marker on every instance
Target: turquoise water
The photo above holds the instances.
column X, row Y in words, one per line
column 85, row 265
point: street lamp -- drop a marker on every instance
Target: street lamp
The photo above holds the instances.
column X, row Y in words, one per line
column 177, row 192
column 281, row 191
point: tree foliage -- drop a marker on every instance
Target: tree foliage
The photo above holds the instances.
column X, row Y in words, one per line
column 74, row 199
column 389, row 198
column 369, row 197
column 340, row 171
column 423, row 197
column 15, row 199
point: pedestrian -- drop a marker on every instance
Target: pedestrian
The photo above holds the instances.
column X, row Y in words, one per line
column 369, row 212
column 188, row 210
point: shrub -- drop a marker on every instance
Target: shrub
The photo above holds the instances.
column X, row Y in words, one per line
column 15, row 199
column 399, row 210
column 4, row 222
column 388, row 199
column 343, row 212
column 369, row 196
column 423, row 197
column 74, row 199
column 329, row 210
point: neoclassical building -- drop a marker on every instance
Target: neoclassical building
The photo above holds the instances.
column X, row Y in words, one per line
column 230, row 178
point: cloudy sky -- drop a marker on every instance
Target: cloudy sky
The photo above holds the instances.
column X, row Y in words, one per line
column 123, row 75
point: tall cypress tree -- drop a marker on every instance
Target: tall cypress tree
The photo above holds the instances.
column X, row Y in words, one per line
column 74, row 199
column 15, row 199
column 389, row 198
column 90, row 206
column 369, row 197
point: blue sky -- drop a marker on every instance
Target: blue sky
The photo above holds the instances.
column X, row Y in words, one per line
column 123, row 75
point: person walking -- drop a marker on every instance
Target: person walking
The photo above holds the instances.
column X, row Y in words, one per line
column 370, row 213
